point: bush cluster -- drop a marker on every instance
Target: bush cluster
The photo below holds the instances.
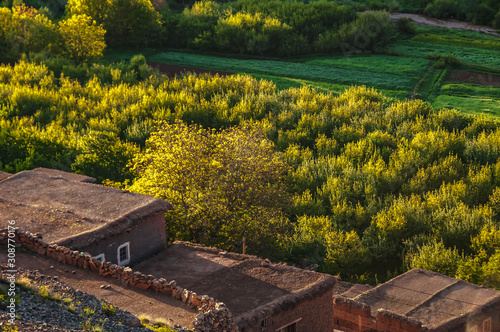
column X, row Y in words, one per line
column 371, row 183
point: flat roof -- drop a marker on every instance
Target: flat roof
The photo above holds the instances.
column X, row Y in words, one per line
column 72, row 213
column 244, row 283
column 429, row 297
column 4, row 175
column 65, row 175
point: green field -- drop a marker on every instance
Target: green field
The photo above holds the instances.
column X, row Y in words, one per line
column 336, row 70
column 407, row 69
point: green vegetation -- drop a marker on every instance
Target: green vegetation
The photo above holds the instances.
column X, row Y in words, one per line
column 24, row 30
column 365, row 184
column 329, row 70
column 371, row 184
column 415, row 67
column 471, row 105
column 108, row 309
column 484, row 12
column 225, row 185
column 88, row 312
column 158, row 324
column 88, row 325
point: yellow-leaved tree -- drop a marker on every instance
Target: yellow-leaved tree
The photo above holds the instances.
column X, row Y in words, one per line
column 224, row 186
column 82, row 38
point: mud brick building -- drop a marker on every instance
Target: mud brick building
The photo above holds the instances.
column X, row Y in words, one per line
column 107, row 229
column 67, row 209
column 419, row 300
column 262, row 296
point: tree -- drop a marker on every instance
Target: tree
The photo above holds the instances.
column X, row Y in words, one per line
column 24, row 30
column 83, row 39
column 104, row 156
column 250, row 33
column 435, row 256
column 224, row 185
column 96, row 9
column 132, row 22
column 127, row 22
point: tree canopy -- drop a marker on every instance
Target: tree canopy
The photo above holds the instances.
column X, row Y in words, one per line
column 82, row 38
column 224, row 185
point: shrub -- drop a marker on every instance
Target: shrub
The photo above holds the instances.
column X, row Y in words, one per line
column 406, row 26
column 108, row 309
column 434, row 256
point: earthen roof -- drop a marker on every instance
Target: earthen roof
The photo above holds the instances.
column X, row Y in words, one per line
column 4, row 175
column 72, row 213
column 429, row 297
column 251, row 288
column 65, row 175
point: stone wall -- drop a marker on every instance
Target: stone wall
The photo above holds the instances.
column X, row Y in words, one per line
column 214, row 316
column 353, row 316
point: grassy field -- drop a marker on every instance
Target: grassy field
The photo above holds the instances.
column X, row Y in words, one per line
column 333, row 71
column 409, row 69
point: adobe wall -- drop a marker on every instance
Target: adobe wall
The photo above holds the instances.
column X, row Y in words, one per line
column 315, row 315
column 353, row 316
column 311, row 309
column 145, row 241
column 214, row 316
column 488, row 316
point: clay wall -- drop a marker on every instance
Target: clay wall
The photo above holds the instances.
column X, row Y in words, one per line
column 145, row 241
column 312, row 315
column 353, row 316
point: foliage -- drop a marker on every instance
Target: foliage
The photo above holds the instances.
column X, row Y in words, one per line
column 23, row 30
column 250, row 33
column 103, row 153
column 82, row 39
column 225, row 185
column 338, row 180
column 108, row 309
column 127, row 22
column 369, row 30
column 258, row 27
column 436, row 257
column 406, row 26
column 96, row 9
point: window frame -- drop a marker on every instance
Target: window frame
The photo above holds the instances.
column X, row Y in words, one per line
column 485, row 322
column 100, row 257
column 127, row 260
column 282, row 329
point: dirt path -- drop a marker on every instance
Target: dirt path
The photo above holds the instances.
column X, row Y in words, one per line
column 133, row 300
column 451, row 24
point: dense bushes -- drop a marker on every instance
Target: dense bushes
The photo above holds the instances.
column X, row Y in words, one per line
column 24, row 30
column 127, row 22
column 244, row 26
column 274, row 27
column 375, row 187
column 475, row 11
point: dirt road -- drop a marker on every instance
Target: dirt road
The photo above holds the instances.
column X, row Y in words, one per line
column 451, row 24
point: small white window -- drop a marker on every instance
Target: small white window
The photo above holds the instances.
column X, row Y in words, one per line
column 123, row 253
column 472, row 329
column 100, row 258
column 487, row 325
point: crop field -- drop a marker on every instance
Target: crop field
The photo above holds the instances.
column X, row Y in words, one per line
column 409, row 69
column 341, row 72
column 470, row 105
